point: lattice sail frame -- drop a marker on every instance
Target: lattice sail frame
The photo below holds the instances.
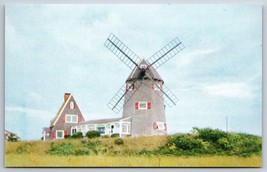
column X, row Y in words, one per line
column 130, row 59
column 123, row 96
column 166, row 53
column 118, row 48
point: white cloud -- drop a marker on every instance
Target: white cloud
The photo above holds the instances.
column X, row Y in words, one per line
column 231, row 90
column 40, row 114
column 191, row 55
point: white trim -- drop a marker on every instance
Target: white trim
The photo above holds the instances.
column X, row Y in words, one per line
column 71, row 117
column 60, row 113
column 72, row 105
column 162, row 126
column 44, row 135
column 62, row 134
column 140, row 107
column 120, row 129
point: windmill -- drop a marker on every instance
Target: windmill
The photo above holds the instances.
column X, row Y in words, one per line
column 143, row 95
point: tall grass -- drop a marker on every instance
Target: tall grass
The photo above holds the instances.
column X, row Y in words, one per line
column 34, row 160
column 207, row 148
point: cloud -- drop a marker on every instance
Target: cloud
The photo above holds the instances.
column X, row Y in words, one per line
column 231, row 90
column 191, row 55
column 40, row 114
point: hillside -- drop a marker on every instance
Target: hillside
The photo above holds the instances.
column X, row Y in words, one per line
column 203, row 143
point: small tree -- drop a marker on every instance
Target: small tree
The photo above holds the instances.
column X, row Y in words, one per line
column 92, row 134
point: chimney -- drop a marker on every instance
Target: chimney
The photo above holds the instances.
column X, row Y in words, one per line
column 66, row 96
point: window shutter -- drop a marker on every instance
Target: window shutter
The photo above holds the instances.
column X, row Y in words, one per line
column 54, row 133
column 148, row 105
column 153, row 86
column 79, row 118
column 136, row 105
column 133, row 87
column 63, row 118
column 155, row 126
column 165, row 126
column 65, row 133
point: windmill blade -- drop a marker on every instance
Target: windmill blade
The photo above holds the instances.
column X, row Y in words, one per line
column 118, row 48
column 168, row 97
column 166, row 53
column 123, row 96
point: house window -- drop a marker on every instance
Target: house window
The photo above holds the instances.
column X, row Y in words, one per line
column 60, row 134
column 72, row 105
column 83, row 129
column 91, row 127
column 71, row 119
column 73, row 130
column 142, row 105
column 125, row 129
column 101, row 130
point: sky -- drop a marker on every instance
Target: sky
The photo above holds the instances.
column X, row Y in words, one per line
column 54, row 49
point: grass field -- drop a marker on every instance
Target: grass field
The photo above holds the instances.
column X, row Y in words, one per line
column 153, row 151
column 33, row 160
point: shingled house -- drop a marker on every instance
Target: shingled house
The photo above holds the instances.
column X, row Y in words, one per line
column 70, row 120
column 68, row 115
column 12, row 137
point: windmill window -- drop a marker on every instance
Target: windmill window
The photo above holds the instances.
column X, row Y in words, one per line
column 142, row 105
column 156, row 87
column 159, row 125
column 129, row 87
column 144, row 66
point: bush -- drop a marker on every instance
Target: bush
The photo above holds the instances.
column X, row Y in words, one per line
column 115, row 135
column 77, row 135
column 211, row 135
column 186, row 142
column 118, row 142
column 61, row 149
column 92, row 134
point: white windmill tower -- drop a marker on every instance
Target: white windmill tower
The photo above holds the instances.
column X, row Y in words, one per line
column 143, row 95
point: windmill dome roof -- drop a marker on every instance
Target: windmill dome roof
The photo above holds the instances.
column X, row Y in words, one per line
column 150, row 71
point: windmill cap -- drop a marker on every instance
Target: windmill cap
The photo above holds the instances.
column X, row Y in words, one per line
column 150, row 71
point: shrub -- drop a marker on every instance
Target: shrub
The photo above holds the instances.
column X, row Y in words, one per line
column 211, row 135
column 61, row 149
column 115, row 135
column 77, row 135
column 119, row 142
column 186, row 142
column 92, row 134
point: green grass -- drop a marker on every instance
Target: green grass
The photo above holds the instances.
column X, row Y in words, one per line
column 207, row 148
column 34, row 160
